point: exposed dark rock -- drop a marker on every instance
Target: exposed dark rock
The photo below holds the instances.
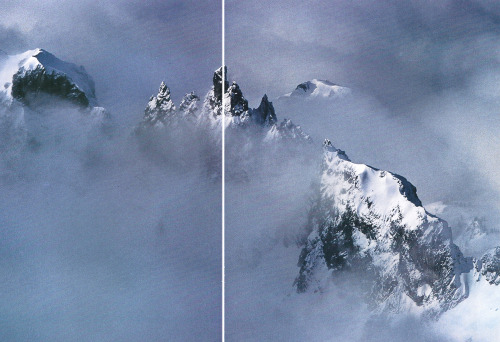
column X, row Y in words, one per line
column 265, row 114
column 27, row 85
column 489, row 266
column 416, row 258
column 238, row 104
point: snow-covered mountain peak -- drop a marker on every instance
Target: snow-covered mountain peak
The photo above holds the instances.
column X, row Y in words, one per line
column 372, row 221
column 390, row 190
column 160, row 108
column 318, row 89
column 37, row 70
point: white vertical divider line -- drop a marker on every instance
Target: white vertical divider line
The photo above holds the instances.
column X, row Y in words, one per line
column 223, row 211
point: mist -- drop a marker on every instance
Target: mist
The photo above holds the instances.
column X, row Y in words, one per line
column 104, row 241
column 112, row 235
column 424, row 105
column 424, row 80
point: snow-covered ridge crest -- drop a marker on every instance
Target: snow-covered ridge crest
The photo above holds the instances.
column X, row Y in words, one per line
column 318, row 89
column 367, row 184
column 16, row 67
column 372, row 221
column 262, row 121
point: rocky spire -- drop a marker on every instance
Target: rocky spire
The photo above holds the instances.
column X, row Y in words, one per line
column 160, row 107
column 237, row 104
column 213, row 100
column 217, row 83
column 265, row 114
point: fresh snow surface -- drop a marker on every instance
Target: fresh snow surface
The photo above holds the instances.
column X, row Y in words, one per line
column 319, row 89
column 31, row 59
column 380, row 188
column 476, row 318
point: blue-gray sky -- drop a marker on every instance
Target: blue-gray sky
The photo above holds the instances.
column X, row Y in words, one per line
column 433, row 65
column 399, row 51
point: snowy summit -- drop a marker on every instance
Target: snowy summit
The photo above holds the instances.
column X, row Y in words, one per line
column 38, row 71
column 318, row 89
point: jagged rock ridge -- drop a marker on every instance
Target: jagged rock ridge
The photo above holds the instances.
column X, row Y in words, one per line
column 363, row 219
column 160, row 108
column 161, row 111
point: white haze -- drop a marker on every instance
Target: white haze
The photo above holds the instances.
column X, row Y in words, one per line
column 447, row 147
column 105, row 240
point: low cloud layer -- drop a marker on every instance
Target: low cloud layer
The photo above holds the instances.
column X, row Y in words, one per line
column 102, row 240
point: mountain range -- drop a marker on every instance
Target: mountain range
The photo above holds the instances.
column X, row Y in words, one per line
column 361, row 220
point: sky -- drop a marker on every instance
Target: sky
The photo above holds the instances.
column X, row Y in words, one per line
column 398, row 51
column 128, row 47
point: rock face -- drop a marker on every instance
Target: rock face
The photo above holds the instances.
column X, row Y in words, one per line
column 265, row 114
column 372, row 221
column 237, row 105
column 26, row 76
column 28, row 84
column 212, row 104
column 488, row 266
column 217, row 84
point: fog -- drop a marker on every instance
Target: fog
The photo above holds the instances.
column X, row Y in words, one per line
column 102, row 240
column 424, row 78
column 107, row 235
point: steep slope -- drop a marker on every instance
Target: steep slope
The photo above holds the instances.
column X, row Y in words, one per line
column 372, row 221
column 160, row 108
